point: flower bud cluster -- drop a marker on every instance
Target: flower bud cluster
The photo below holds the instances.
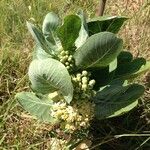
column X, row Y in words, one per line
column 73, row 117
column 58, row 144
column 83, row 85
column 66, row 59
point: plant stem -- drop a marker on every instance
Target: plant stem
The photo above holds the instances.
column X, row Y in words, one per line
column 101, row 7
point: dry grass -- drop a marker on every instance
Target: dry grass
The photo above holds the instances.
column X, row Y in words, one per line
column 18, row 131
column 136, row 32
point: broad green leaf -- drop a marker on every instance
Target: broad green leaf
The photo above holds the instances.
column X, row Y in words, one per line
column 83, row 34
column 98, row 51
column 124, row 57
column 39, row 38
column 128, row 68
column 49, row 75
column 105, row 23
column 35, row 106
column 69, row 31
column 50, row 24
column 115, row 100
column 143, row 69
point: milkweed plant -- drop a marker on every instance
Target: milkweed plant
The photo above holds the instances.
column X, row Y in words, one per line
column 80, row 72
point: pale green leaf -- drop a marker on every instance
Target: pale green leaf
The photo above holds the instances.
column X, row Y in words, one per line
column 39, row 38
column 50, row 24
column 49, row 75
column 41, row 109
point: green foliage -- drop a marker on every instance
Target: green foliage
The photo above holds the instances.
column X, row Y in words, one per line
column 98, row 51
column 142, row 70
column 69, row 31
column 39, row 38
column 105, row 23
column 123, row 67
column 50, row 24
column 49, row 75
column 116, row 100
column 35, row 106
column 129, row 67
column 65, row 50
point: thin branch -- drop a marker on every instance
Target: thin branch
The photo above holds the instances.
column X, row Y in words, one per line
column 101, row 8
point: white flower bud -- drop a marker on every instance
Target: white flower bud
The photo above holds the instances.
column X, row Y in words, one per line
column 70, row 118
column 62, row 106
column 79, row 118
column 59, row 113
column 68, row 67
column 84, row 86
column 70, row 58
column 83, row 124
column 74, row 79
column 66, row 57
column 60, row 56
column 80, row 84
column 73, row 128
column 92, row 83
column 84, row 80
column 67, row 126
column 78, row 78
column 62, row 53
column 61, row 60
column 67, row 63
column 86, row 119
column 84, row 73
column 52, row 113
column 66, row 52
column 71, row 65
column 79, row 75
column 55, row 106
column 29, row 7
column 69, row 109
column 64, row 116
